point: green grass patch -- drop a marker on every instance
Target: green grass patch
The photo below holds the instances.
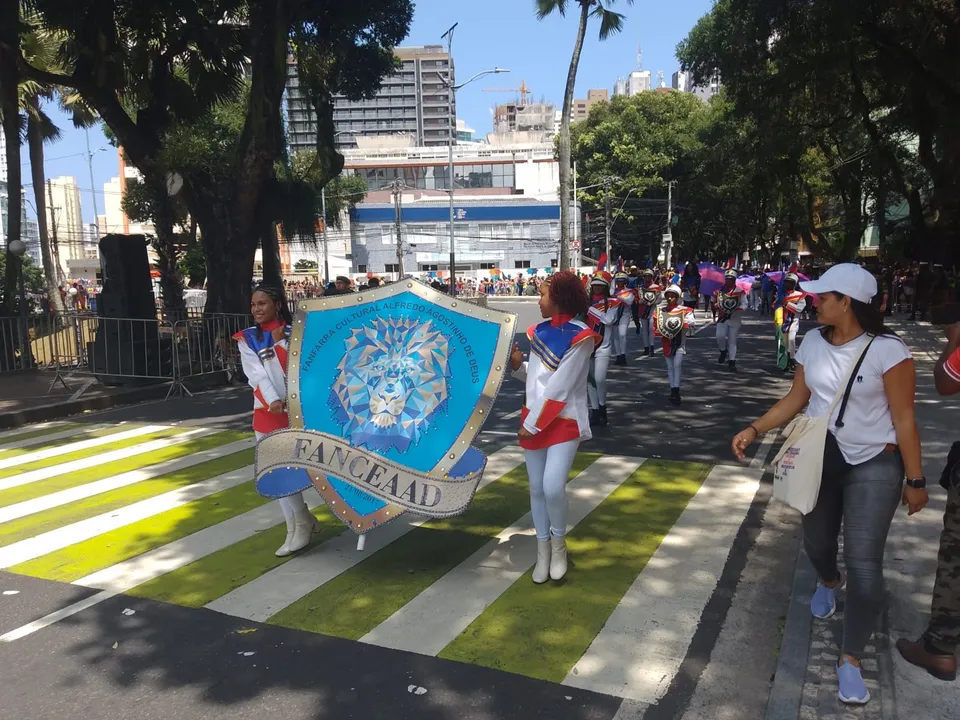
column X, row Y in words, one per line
column 542, row 630
column 29, row 435
column 82, row 559
column 79, row 437
column 89, row 452
column 57, row 517
column 358, row 600
column 40, row 488
column 212, row 577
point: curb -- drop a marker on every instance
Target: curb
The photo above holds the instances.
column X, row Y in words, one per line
column 44, row 413
column 787, row 691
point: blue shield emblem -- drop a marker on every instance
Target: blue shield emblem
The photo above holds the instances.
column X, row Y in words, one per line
column 386, row 391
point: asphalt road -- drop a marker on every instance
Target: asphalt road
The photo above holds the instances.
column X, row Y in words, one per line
column 172, row 662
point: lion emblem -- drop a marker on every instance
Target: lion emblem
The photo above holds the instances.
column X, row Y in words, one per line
column 391, row 382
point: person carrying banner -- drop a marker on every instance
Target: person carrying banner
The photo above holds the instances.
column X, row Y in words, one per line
column 627, row 297
column 263, row 354
column 729, row 302
column 647, row 302
column 602, row 318
column 791, row 304
column 673, row 322
column 555, row 415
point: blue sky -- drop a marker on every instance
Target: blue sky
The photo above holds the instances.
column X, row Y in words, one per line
column 504, row 33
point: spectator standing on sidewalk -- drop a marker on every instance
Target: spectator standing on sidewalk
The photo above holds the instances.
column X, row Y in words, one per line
column 865, row 458
column 936, row 649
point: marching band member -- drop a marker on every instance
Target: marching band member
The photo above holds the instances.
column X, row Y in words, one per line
column 729, row 302
column 649, row 298
column 792, row 303
column 674, row 321
column 263, row 354
column 554, row 418
column 627, row 297
column 602, row 318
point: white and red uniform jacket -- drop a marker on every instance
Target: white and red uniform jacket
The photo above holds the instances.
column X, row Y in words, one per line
column 265, row 365
column 602, row 318
column 793, row 304
column 556, row 409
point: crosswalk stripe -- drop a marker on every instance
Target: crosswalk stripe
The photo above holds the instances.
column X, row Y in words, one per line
column 94, row 460
column 81, row 492
column 61, row 614
column 142, row 568
column 85, row 529
column 645, row 638
column 32, row 431
column 41, row 438
column 64, row 449
column 267, row 595
column 433, row 619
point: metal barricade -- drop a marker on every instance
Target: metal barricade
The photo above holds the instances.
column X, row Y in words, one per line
column 205, row 346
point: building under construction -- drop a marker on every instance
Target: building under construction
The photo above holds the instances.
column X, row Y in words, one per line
column 522, row 116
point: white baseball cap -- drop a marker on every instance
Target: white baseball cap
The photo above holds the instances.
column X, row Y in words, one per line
column 847, row 279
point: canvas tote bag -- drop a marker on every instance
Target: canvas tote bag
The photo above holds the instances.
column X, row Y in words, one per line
column 798, row 467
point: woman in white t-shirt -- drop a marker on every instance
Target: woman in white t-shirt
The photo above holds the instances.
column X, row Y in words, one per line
column 868, row 450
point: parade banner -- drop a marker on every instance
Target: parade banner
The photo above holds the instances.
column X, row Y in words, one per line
column 386, row 391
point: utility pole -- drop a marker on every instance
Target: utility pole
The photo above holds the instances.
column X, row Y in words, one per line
column 93, row 190
column 323, row 229
column 397, row 189
column 578, row 246
column 669, row 251
column 54, row 244
column 451, row 89
column 606, row 186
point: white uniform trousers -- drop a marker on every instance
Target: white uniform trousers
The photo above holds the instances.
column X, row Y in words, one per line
column 727, row 333
column 548, row 470
column 290, row 504
column 621, row 339
column 597, row 390
column 792, row 338
column 674, row 364
column 646, row 331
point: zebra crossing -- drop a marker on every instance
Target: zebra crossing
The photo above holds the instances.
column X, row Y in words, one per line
column 170, row 513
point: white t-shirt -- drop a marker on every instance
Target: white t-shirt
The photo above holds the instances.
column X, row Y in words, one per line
column 867, row 423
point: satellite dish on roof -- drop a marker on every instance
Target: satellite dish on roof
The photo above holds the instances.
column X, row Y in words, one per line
column 174, row 183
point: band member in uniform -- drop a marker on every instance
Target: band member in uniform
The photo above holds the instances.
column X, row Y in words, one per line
column 729, row 302
column 647, row 302
column 792, row 303
column 628, row 298
column 673, row 322
column 602, row 318
column 554, row 418
column 263, row 354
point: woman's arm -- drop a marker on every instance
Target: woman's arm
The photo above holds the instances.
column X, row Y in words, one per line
column 256, row 376
column 900, row 382
column 781, row 413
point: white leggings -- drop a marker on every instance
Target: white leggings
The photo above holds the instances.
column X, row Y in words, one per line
column 646, row 331
column 290, row 504
column 548, row 470
column 727, row 338
column 674, row 364
column 597, row 394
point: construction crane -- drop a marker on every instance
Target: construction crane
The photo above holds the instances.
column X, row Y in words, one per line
column 524, row 90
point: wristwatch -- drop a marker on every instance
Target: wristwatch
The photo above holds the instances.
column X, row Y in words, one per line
column 917, row 483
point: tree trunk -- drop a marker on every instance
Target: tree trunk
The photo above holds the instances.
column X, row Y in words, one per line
column 171, row 283
column 565, row 138
column 10, row 106
column 270, row 250
column 51, row 280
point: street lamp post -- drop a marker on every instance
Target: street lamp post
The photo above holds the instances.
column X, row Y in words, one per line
column 18, row 249
column 93, row 189
column 452, row 92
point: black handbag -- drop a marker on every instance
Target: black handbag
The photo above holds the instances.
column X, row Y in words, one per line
column 834, row 463
column 950, row 477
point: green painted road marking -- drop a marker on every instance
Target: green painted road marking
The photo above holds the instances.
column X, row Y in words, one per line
column 46, row 520
column 90, row 452
column 38, row 433
column 213, row 576
column 82, row 559
column 542, row 630
column 358, row 600
column 79, row 437
column 40, row 488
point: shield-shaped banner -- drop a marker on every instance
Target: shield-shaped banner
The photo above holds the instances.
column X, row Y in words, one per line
column 386, row 390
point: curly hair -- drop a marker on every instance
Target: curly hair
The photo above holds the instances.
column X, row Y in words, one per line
column 567, row 293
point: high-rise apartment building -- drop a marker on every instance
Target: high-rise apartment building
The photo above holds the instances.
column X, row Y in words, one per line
column 681, row 81
column 636, row 82
column 29, row 231
column 581, row 108
column 64, row 220
column 414, row 102
column 3, row 157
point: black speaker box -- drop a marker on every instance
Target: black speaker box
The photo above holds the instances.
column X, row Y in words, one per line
column 127, row 288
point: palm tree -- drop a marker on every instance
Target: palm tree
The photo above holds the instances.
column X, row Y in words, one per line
column 40, row 48
column 10, row 117
column 610, row 22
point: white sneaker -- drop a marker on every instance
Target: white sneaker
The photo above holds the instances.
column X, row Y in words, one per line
column 542, row 571
column 558, row 558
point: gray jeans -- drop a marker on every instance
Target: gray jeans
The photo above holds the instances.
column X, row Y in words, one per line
column 864, row 499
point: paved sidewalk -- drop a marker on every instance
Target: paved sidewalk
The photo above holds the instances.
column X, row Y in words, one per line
column 805, row 685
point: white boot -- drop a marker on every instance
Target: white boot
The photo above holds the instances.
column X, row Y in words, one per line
column 558, row 557
column 284, row 549
column 304, row 526
column 542, row 571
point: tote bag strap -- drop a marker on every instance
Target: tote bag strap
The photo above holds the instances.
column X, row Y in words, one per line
column 845, row 398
